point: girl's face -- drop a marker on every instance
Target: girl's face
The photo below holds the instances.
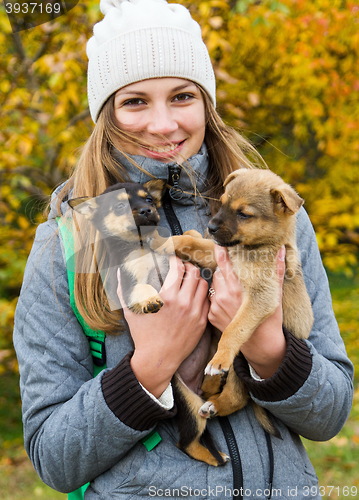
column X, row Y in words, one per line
column 167, row 116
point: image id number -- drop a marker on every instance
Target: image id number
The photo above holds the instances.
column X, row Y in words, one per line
column 33, row 8
column 327, row 491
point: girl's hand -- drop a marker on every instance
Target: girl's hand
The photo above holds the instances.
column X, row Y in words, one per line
column 164, row 339
column 228, row 291
column 266, row 348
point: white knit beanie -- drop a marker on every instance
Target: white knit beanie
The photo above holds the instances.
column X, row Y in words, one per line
column 141, row 39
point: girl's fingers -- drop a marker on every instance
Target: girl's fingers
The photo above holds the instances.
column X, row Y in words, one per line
column 225, row 280
column 223, row 262
column 174, row 277
column 191, row 279
column 119, row 289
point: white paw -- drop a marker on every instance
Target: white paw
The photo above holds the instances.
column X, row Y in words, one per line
column 208, row 410
column 225, row 457
column 211, row 370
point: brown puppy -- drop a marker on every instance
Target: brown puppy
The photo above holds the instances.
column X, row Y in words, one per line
column 125, row 215
column 256, row 218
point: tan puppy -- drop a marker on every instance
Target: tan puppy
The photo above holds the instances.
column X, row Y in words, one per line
column 256, row 218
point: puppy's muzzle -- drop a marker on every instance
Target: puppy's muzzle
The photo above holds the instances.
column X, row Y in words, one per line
column 147, row 216
column 221, row 234
column 213, row 228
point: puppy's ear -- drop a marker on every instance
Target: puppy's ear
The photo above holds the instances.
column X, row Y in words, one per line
column 156, row 188
column 232, row 176
column 85, row 206
column 286, row 200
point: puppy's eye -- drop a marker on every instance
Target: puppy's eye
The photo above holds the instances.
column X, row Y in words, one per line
column 242, row 215
column 149, row 199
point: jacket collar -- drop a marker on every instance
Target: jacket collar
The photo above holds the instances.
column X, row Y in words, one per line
column 198, row 176
column 193, row 174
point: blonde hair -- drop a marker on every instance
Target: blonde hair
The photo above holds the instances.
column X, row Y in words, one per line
column 98, row 168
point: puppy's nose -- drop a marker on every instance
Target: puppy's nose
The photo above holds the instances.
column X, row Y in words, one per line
column 212, row 227
column 146, row 211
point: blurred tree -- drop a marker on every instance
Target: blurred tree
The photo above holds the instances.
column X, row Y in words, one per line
column 44, row 120
column 287, row 77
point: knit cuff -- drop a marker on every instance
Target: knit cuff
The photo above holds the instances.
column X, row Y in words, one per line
column 288, row 379
column 128, row 401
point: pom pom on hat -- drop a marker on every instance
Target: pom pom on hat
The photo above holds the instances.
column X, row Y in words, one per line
column 106, row 5
column 142, row 39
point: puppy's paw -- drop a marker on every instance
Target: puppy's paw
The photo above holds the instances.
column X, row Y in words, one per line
column 213, row 370
column 225, row 458
column 193, row 233
column 208, row 410
column 151, row 305
column 219, row 365
column 162, row 246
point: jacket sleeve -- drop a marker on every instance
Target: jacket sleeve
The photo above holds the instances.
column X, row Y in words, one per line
column 313, row 388
column 71, row 433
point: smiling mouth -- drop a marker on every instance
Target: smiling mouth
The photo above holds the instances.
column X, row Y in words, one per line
column 164, row 149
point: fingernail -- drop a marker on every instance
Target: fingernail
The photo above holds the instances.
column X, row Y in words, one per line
column 221, row 254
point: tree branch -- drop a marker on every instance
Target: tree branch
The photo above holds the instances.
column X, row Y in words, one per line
column 19, row 46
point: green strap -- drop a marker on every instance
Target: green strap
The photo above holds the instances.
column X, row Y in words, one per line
column 66, row 231
column 96, row 337
column 151, row 440
column 78, row 494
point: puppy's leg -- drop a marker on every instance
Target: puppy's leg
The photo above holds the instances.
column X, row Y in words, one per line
column 233, row 397
column 141, row 297
column 190, row 247
column 255, row 308
column 212, row 385
column 193, row 233
column 192, row 427
column 193, row 248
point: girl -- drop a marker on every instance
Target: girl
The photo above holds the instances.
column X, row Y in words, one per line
column 151, row 93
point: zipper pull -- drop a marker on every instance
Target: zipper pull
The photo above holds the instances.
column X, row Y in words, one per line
column 176, row 192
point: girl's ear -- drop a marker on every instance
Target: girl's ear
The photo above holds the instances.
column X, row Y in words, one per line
column 85, row 206
column 156, row 188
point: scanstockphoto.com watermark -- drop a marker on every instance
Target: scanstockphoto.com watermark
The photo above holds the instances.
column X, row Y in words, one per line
column 24, row 15
column 225, row 492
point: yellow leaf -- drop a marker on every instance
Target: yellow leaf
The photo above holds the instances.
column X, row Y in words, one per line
column 23, row 222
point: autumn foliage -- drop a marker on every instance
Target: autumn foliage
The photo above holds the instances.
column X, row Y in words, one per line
column 287, row 75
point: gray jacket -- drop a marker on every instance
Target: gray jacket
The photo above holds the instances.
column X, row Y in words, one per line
column 79, row 429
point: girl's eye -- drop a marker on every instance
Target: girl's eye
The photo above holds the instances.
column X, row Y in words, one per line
column 135, row 101
column 183, row 97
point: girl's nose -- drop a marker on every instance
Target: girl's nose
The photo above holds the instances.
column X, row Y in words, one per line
column 161, row 121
